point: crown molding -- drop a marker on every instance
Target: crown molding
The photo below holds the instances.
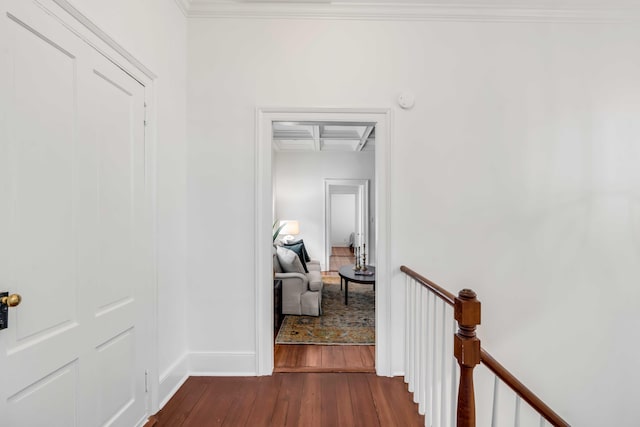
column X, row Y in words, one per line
column 95, row 36
column 501, row 11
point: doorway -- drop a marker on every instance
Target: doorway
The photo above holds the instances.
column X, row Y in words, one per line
column 380, row 118
column 329, row 215
column 346, row 203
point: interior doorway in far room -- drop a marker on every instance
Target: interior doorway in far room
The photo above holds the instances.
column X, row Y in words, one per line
column 346, row 222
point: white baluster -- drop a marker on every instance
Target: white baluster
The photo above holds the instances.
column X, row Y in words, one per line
column 412, row 340
column 426, row 367
column 428, row 358
column 426, row 391
column 433, row 351
column 543, row 422
column 454, row 376
column 444, row 350
column 494, row 410
column 437, row 352
column 424, row 359
column 420, row 340
column 447, row 420
column 407, row 326
column 516, row 421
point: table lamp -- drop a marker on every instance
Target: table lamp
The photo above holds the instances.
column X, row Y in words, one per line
column 291, row 228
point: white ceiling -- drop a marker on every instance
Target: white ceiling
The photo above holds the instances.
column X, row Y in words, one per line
column 323, row 136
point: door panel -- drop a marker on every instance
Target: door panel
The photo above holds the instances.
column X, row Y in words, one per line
column 73, row 210
column 115, row 178
column 43, row 245
column 39, row 351
column 117, row 306
column 50, row 398
column 118, row 394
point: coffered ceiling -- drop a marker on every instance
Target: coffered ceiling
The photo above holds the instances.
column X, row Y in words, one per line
column 323, row 136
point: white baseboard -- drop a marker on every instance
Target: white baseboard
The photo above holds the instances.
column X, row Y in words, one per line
column 142, row 421
column 172, row 379
column 198, row 364
column 222, row 364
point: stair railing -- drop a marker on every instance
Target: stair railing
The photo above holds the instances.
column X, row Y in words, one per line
column 442, row 380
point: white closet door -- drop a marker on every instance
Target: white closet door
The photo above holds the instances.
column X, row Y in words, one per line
column 73, row 229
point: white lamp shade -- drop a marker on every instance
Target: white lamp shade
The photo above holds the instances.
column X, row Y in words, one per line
column 291, row 228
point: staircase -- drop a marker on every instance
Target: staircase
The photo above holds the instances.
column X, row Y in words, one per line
column 442, row 380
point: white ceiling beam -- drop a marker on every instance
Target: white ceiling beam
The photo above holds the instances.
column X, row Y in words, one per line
column 317, row 131
column 365, row 138
column 296, row 133
column 349, row 137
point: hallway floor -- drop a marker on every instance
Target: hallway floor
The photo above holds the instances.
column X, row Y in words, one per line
column 324, row 358
column 291, row 399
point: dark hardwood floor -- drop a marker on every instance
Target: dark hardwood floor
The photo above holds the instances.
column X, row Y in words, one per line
column 312, row 385
column 324, row 358
column 291, row 399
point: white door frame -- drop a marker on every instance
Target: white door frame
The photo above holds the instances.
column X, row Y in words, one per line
column 360, row 189
column 382, row 117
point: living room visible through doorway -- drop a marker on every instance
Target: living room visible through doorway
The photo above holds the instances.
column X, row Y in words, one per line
column 323, row 176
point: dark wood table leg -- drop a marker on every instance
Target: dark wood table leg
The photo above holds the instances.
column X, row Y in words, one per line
column 346, row 291
column 277, row 306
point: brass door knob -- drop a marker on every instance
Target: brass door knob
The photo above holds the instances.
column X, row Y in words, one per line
column 12, row 300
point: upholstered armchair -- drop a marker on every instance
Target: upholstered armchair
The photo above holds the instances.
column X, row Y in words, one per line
column 301, row 291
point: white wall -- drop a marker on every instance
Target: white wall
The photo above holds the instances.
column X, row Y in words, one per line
column 343, row 218
column 515, row 174
column 299, row 190
column 154, row 31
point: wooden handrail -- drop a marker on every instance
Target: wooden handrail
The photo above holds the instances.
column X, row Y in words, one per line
column 521, row 390
column 468, row 351
column 447, row 296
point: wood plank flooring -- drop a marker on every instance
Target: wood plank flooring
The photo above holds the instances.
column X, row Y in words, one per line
column 324, row 358
column 291, row 399
column 312, row 385
column 339, row 257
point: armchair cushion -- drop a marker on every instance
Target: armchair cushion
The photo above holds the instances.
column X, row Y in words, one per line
column 315, row 280
column 289, row 260
column 314, row 265
column 301, row 292
column 298, row 248
column 305, row 255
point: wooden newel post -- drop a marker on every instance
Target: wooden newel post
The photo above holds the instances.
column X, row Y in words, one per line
column 467, row 351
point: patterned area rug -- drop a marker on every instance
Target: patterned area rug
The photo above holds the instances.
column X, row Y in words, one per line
column 328, row 278
column 351, row 324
